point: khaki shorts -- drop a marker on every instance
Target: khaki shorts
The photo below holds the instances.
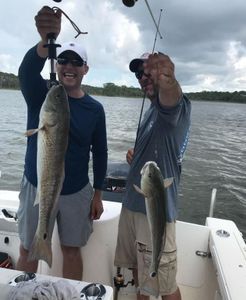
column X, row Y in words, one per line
column 133, row 250
column 72, row 215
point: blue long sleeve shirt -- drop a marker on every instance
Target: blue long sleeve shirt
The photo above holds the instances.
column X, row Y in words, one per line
column 87, row 130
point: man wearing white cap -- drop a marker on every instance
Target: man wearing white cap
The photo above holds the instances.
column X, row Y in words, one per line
column 79, row 202
column 162, row 137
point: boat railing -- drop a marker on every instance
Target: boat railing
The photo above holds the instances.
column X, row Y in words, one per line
column 212, row 202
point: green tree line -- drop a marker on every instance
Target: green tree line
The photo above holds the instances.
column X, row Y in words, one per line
column 10, row 81
column 237, row 96
column 112, row 90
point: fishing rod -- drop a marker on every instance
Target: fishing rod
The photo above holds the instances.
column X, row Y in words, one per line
column 144, row 96
column 51, row 45
column 152, row 16
column 119, row 279
column 131, row 3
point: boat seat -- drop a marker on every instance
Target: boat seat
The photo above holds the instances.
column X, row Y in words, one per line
column 192, row 268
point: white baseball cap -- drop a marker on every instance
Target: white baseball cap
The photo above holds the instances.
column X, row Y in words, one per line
column 71, row 46
column 134, row 64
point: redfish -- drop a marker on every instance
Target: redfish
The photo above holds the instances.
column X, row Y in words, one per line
column 52, row 141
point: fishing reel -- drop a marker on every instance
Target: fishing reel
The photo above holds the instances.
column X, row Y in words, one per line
column 129, row 3
column 119, row 282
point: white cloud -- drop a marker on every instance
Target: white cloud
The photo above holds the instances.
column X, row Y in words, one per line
column 206, row 40
column 237, row 56
column 5, row 63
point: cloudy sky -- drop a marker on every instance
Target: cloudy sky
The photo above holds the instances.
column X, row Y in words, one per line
column 206, row 39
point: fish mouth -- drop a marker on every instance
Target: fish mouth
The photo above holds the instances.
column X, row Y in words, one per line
column 143, row 170
column 155, row 164
column 147, row 166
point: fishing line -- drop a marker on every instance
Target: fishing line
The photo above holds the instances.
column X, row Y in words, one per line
column 129, row 3
column 55, row 9
column 153, row 49
column 157, row 31
column 156, row 25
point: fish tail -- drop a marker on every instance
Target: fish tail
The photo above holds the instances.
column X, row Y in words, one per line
column 41, row 249
column 155, row 261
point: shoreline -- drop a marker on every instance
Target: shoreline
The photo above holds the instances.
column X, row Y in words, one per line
column 209, row 96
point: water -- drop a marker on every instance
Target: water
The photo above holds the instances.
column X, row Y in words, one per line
column 215, row 157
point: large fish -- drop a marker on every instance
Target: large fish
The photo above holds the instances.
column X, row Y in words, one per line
column 52, row 144
column 153, row 188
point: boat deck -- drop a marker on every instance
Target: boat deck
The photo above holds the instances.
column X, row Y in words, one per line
column 211, row 257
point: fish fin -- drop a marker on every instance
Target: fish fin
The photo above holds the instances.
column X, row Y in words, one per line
column 167, row 182
column 138, row 190
column 30, row 132
column 36, row 202
column 41, row 249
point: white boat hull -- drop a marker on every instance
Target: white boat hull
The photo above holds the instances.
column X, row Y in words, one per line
column 211, row 266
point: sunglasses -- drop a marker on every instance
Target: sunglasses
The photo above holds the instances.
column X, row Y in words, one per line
column 140, row 74
column 74, row 62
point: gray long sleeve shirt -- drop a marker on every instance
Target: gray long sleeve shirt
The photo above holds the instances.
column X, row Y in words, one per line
column 163, row 137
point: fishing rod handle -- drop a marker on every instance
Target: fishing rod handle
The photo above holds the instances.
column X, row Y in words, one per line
column 51, row 45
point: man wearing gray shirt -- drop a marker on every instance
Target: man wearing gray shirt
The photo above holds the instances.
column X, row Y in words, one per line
column 162, row 137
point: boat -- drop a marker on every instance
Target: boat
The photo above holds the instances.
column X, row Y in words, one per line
column 211, row 257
